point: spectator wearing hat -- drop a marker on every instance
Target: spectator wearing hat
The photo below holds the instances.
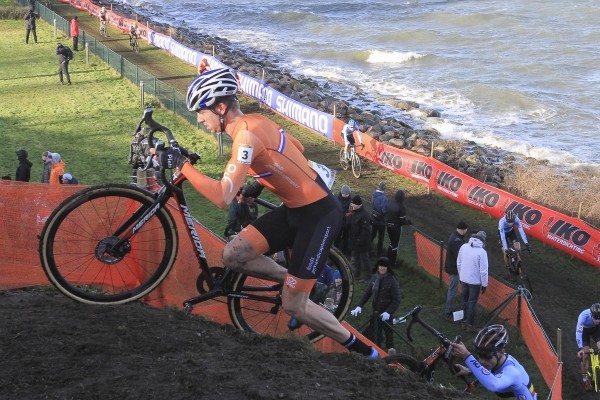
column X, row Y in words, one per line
column 456, row 240
column 46, row 167
column 58, row 168
column 378, row 216
column 385, row 290
column 472, row 266
column 396, row 218
column 345, row 198
column 68, row 179
column 360, row 239
column 24, row 168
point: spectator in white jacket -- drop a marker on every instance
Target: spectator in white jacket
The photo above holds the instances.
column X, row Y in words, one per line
column 472, row 266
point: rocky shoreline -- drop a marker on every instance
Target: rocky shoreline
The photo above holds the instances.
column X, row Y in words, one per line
column 490, row 165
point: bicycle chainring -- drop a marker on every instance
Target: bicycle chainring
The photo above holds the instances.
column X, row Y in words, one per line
column 202, row 285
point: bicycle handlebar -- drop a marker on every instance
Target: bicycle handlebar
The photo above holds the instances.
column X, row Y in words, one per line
column 414, row 314
column 156, row 127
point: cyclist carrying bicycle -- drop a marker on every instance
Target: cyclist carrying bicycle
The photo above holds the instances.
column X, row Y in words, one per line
column 496, row 370
column 308, row 220
column 508, row 235
column 348, row 136
column 588, row 329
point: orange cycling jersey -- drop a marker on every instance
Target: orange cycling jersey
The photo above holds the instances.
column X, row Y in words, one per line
column 262, row 149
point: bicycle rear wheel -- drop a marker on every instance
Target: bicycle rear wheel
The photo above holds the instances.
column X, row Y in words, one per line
column 265, row 317
column 407, row 361
column 523, row 277
column 344, row 163
column 74, row 239
column 356, row 165
column 136, row 46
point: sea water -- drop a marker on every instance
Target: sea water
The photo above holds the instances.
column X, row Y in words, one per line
column 521, row 75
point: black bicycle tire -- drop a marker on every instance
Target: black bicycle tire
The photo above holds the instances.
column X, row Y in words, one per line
column 523, row 276
column 66, row 268
column 343, row 161
column 136, row 46
column 252, row 316
column 356, row 161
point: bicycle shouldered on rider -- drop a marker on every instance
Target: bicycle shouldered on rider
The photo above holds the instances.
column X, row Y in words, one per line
column 508, row 234
column 496, row 370
column 308, row 220
column 588, row 330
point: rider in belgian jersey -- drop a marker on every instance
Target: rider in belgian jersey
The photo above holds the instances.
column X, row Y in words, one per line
column 587, row 333
column 348, row 135
column 508, row 235
column 496, row 370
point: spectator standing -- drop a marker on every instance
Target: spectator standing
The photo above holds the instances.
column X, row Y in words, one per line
column 24, row 169
column 30, row 18
column 68, row 179
column 378, row 216
column 336, row 290
column 46, row 167
column 58, row 168
column 75, row 32
column 360, row 239
column 472, row 266
column 64, row 55
column 138, row 153
column 455, row 241
column 396, row 218
column 385, row 290
column 344, row 197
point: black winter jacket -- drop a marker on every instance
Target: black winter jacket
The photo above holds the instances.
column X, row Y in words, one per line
column 360, row 230
column 455, row 241
column 385, row 291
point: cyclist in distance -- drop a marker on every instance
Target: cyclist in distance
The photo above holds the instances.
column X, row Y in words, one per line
column 103, row 16
column 348, row 136
column 496, row 370
column 308, row 221
column 133, row 32
column 588, row 330
column 508, row 235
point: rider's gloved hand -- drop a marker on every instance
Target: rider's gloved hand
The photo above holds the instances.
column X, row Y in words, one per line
column 385, row 316
column 528, row 247
column 356, row 311
column 252, row 190
column 172, row 158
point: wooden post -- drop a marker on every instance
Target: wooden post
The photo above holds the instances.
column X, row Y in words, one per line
column 213, row 50
column 579, row 212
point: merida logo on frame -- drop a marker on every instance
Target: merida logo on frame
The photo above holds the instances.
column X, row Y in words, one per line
column 189, row 220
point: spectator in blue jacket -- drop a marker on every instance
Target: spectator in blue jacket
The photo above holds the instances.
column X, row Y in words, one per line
column 378, row 216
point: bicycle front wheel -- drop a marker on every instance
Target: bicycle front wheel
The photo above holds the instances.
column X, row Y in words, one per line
column 77, row 234
column 356, row 165
column 136, row 46
column 343, row 160
column 524, row 278
column 265, row 315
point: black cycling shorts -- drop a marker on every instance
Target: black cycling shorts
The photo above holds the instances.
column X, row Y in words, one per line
column 308, row 231
column 590, row 333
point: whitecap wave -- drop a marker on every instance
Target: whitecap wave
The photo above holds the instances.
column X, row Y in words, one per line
column 395, row 57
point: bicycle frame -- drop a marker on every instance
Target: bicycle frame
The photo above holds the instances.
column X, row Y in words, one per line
column 442, row 352
column 174, row 190
column 594, row 370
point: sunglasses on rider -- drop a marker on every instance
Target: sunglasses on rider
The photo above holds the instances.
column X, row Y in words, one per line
column 485, row 356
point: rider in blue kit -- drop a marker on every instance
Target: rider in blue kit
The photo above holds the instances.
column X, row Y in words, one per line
column 348, row 136
column 508, row 234
column 588, row 330
column 497, row 371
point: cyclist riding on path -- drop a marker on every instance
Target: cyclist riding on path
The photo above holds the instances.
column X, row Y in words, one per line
column 348, row 136
column 496, row 370
column 588, row 330
column 133, row 33
column 508, row 235
column 103, row 15
column 308, row 221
